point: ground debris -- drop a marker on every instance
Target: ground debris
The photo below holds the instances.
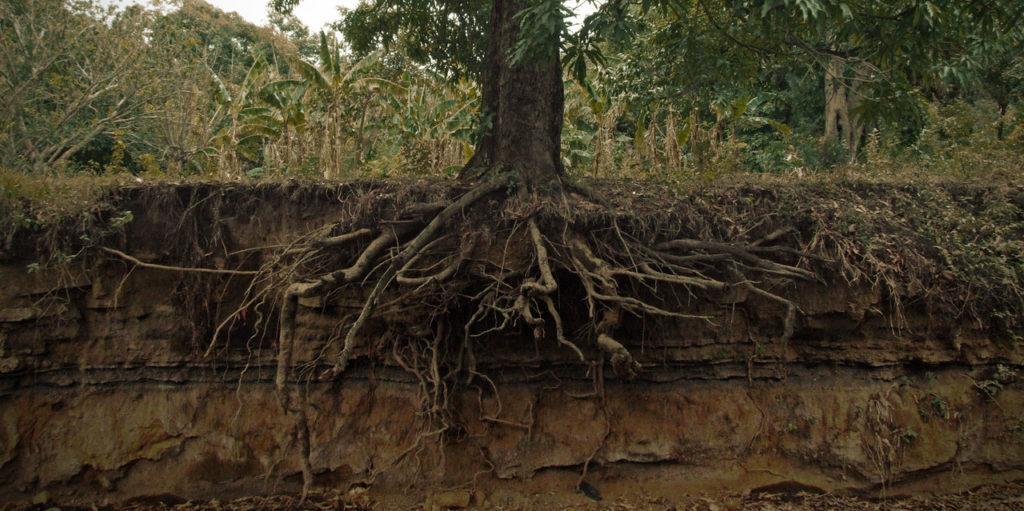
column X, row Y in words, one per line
column 254, row 503
column 1008, row 497
column 1003, row 497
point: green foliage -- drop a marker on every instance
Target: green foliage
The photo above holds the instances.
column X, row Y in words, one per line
column 542, row 28
column 68, row 87
column 657, row 89
column 698, row 56
column 446, row 34
column 225, row 42
column 992, row 386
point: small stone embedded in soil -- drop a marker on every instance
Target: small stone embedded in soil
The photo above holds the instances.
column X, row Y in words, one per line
column 589, row 490
column 10, row 364
column 448, row 500
column 479, row 498
column 41, row 498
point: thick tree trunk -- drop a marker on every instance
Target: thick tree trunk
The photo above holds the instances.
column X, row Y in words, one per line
column 522, row 107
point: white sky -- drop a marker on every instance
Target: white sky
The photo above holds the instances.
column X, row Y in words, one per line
column 317, row 13
column 313, row 13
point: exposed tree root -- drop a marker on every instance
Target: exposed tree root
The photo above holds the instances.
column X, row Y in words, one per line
column 548, row 277
column 154, row 266
column 625, row 367
column 442, row 288
column 399, row 261
column 302, row 433
column 548, row 271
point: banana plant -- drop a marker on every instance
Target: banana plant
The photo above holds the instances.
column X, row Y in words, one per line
column 230, row 141
column 426, row 115
column 331, row 78
column 579, row 126
column 741, row 112
column 345, row 103
column 282, row 118
column 263, row 112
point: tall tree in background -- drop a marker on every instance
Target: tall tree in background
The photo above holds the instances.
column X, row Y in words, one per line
column 872, row 59
column 866, row 49
column 69, row 80
column 517, row 62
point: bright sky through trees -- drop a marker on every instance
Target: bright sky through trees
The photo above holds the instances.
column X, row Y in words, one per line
column 317, row 13
column 313, row 13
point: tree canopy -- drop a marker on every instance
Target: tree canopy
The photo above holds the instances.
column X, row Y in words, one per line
column 669, row 88
column 875, row 56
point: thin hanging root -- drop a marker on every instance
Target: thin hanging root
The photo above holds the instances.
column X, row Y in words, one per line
column 416, row 258
column 155, row 266
column 588, row 286
column 740, row 252
column 600, row 394
column 637, row 306
column 652, row 274
column 602, row 270
column 522, row 305
column 303, row 436
column 284, row 358
column 605, row 276
column 684, row 261
column 790, row 319
column 387, row 239
column 411, row 249
column 467, row 346
column 284, row 348
column 358, row 269
column 301, row 429
column 559, row 334
column 548, row 284
column 791, row 308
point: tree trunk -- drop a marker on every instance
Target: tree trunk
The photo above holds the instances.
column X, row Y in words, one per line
column 522, row 108
column 1002, row 104
column 841, row 96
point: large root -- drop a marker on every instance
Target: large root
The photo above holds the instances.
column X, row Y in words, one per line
column 412, row 258
column 559, row 285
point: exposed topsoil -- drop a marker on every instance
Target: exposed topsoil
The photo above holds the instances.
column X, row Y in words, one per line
column 698, row 348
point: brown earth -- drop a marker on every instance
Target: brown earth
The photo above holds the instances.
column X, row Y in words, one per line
column 106, row 393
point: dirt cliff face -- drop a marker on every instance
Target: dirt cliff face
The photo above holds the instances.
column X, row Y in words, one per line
column 109, row 390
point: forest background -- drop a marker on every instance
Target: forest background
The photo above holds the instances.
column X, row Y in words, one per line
column 696, row 92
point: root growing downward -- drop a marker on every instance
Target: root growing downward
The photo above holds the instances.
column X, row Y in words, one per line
column 517, row 290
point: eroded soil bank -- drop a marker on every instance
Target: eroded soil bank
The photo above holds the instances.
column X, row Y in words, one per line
column 899, row 375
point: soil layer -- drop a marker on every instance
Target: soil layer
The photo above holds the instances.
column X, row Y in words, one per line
column 139, row 355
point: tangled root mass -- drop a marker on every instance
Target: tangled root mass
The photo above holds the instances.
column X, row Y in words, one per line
column 511, row 265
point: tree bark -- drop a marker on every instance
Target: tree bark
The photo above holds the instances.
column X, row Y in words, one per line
column 841, row 96
column 522, row 107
